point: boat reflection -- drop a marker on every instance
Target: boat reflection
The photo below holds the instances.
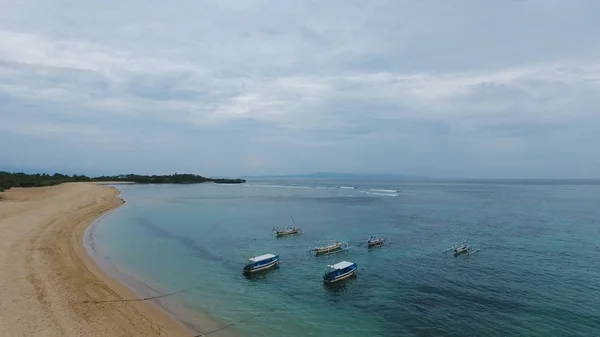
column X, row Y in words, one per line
column 261, row 274
column 338, row 288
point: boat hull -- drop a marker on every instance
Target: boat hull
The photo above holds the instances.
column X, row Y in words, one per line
column 460, row 251
column 285, row 233
column 269, row 265
column 375, row 244
column 329, row 249
column 341, row 277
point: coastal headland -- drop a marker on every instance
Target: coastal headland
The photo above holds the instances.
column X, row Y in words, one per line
column 20, row 179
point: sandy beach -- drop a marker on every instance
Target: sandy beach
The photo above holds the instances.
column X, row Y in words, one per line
column 49, row 285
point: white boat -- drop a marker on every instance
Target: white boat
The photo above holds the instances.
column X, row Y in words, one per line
column 461, row 249
column 339, row 271
column 375, row 242
column 261, row 262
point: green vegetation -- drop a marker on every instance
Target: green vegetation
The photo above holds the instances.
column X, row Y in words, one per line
column 8, row 180
column 167, row 179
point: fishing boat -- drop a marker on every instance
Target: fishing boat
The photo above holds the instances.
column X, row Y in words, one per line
column 261, row 262
column 339, row 271
column 328, row 248
column 463, row 249
column 375, row 242
column 460, row 249
column 287, row 231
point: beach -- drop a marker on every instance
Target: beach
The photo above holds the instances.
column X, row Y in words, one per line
column 49, row 285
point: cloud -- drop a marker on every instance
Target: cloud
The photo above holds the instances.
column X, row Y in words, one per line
column 492, row 89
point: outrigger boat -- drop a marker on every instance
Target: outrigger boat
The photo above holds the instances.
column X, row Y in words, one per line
column 375, row 242
column 339, row 271
column 462, row 248
column 261, row 262
column 331, row 247
column 288, row 231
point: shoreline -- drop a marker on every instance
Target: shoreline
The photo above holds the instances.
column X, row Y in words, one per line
column 195, row 322
column 50, row 285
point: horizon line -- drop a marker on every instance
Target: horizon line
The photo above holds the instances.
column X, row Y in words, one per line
column 321, row 173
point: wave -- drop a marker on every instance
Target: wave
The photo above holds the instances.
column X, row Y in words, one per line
column 373, row 191
column 383, row 191
column 301, row 186
column 385, row 194
column 279, row 186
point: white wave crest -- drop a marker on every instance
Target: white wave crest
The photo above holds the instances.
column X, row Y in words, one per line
column 278, row 186
column 388, row 194
column 383, row 191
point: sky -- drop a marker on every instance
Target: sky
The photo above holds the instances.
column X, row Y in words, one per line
column 445, row 88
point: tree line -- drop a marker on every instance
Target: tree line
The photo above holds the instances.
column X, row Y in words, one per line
column 8, row 180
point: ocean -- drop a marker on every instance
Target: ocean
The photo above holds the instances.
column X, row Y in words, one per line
column 534, row 270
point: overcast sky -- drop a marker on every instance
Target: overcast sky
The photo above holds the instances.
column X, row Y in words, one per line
column 445, row 88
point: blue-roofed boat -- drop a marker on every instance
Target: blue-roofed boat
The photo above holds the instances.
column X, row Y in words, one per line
column 339, row 271
column 261, row 262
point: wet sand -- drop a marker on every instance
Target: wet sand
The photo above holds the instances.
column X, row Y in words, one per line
column 49, row 286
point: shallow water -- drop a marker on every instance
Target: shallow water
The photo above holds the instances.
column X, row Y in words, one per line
column 536, row 274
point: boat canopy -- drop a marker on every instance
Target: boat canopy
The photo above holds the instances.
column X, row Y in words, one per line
column 261, row 257
column 341, row 265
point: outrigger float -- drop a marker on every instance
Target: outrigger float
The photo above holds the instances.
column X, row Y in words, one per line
column 339, row 271
column 329, row 247
column 259, row 263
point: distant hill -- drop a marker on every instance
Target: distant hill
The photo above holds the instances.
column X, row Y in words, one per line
column 342, row 176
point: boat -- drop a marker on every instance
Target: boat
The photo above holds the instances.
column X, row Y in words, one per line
column 460, row 249
column 339, row 271
column 261, row 262
column 287, row 231
column 463, row 249
column 328, row 248
column 375, row 242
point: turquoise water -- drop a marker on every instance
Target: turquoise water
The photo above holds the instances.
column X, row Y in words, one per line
column 536, row 273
